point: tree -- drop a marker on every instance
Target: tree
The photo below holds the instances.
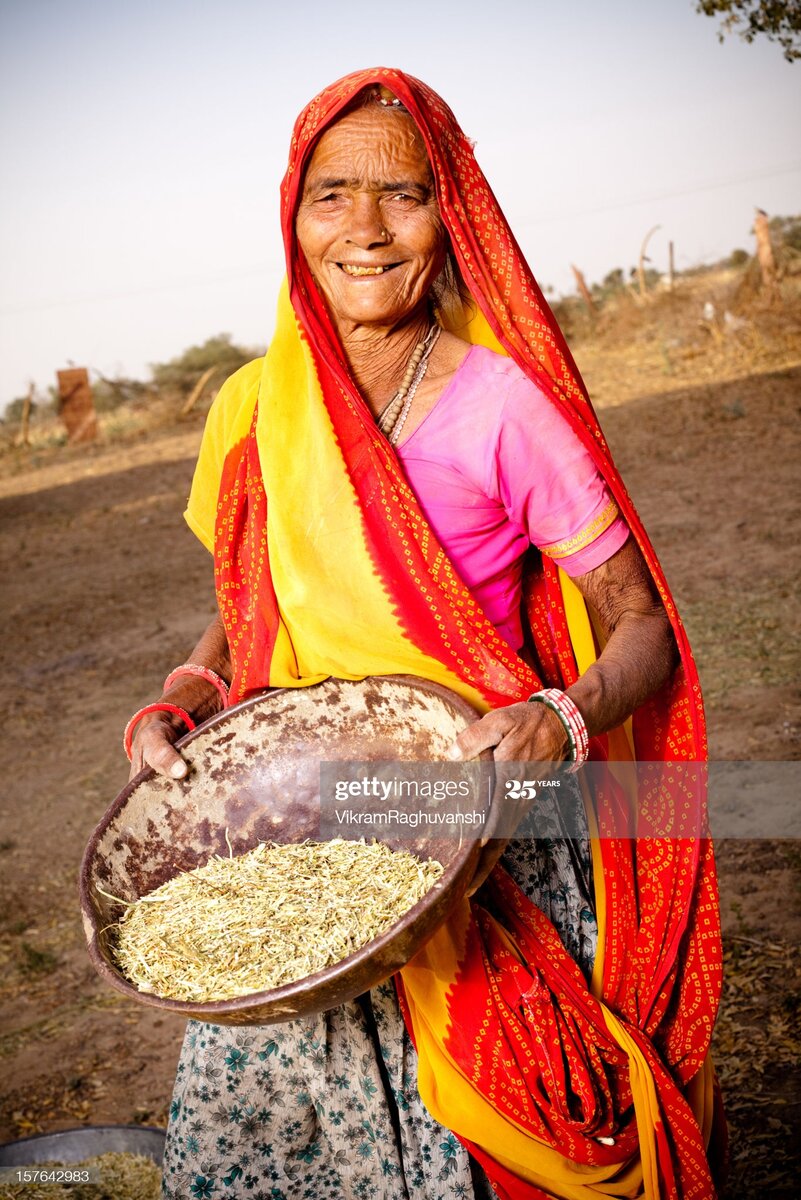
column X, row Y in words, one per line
column 787, row 231
column 613, row 281
column 182, row 373
column 13, row 413
column 778, row 20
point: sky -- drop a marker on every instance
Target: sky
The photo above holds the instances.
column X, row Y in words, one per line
column 142, row 145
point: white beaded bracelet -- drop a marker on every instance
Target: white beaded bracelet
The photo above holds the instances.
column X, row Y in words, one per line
column 574, row 724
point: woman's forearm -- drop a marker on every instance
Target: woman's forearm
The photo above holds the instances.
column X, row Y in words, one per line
column 193, row 693
column 640, row 654
column 637, row 661
column 212, row 649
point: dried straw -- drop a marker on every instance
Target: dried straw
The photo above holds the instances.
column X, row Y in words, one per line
column 119, row 1175
column 266, row 918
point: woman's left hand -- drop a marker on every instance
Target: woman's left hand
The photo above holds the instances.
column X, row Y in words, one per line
column 528, row 733
column 519, row 733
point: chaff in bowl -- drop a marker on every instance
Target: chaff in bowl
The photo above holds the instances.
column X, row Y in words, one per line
column 255, row 778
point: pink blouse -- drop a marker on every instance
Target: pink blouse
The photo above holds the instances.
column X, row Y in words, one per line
column 496, row 467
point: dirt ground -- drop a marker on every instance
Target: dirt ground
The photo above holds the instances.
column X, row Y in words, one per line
column 105, row 589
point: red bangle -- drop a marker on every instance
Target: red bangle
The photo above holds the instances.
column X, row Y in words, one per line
column 575, row 726
column 160, row 706
column 201, row 672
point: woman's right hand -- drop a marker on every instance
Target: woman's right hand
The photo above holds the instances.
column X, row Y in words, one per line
column 156, row 733
column 153, row 745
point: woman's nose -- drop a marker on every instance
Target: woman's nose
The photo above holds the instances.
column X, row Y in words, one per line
column 366, row 224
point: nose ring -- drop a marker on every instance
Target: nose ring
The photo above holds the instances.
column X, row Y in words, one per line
column 384, row 235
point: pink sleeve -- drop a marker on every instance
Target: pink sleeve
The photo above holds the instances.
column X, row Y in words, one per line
column 550, row 486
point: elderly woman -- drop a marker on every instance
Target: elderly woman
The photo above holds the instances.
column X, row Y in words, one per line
column 413, row 481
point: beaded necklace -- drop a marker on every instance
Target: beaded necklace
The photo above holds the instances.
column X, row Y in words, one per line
column 393, row 416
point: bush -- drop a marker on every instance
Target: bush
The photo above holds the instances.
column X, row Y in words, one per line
column 109, row 394
column 13, row 413
column 787, row 231
column 182, row 373
column 613, row 281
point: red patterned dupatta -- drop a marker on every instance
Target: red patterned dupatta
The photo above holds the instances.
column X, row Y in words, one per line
column 558, row 1089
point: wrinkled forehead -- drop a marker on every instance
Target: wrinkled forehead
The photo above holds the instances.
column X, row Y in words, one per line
column 371, row 147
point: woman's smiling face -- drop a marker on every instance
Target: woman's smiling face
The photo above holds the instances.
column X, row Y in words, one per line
column 368, row 221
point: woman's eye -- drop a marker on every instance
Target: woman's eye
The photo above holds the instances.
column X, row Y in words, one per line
column 325, row 199
column 404, row 200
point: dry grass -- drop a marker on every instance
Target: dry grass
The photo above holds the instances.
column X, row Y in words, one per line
column 634, row 349
column 114, row 1176
column 123, row 425
column 267, row 918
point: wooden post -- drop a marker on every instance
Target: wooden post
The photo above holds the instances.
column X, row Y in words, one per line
column 586, row 294
column 765, row 256
column 76, row 407
column 25, row 421
column 197, row 391
column 671, row 267
column 643, row 259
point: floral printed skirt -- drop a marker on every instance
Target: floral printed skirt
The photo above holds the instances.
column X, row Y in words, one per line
column 327, row 1108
